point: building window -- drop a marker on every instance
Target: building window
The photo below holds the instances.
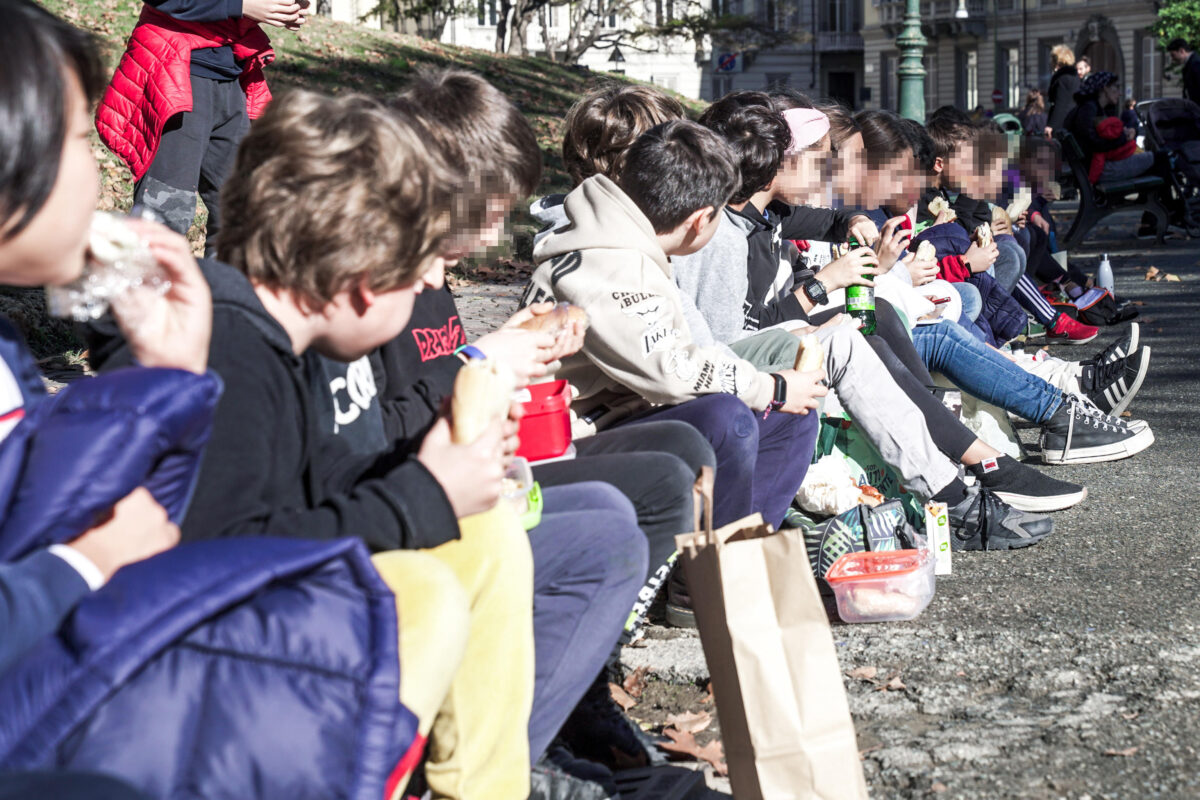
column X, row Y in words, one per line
column 486, row 12
column 669, row 82
column 889, row 81
column 967, row 90
column 931, row 80
column 1049, row 3
column 721, row 86
column 1152, row 69
column 1008, row 73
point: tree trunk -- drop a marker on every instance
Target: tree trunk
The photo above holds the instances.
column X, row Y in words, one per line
column 502, row 25
column 549, row 43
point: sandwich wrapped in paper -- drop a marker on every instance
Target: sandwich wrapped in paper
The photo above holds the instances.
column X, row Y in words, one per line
column 811, row 355
column 983, row 235
column 558, row 320
column 1020, row 203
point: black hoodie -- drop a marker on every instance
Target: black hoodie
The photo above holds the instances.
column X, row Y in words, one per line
column 269, row 468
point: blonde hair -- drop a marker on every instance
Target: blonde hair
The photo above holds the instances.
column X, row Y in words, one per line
column 1062, row 55
column 327, row 191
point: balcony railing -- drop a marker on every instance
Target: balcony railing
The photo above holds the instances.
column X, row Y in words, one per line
column 839, row 42
column 937, row 16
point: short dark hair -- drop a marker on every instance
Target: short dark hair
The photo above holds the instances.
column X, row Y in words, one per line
column 479, row 131
column 949, row 127
column 37, row 50
column 884, row 137
column 1178, row 43
column 756, row 132
column 920, row 141
column 676, row 168
column 788, row 97
column 604, row 123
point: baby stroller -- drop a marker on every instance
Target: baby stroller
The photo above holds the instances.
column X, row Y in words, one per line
column 1172, row 125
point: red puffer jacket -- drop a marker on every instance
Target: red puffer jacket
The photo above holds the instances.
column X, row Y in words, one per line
column 153, row 80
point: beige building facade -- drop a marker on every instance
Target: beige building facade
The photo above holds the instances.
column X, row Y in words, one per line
column 1002, row 47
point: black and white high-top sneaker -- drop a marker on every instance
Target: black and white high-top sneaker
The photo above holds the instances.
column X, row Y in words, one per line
column 1112, row 385
column 1078, row 433
column 1122, row 347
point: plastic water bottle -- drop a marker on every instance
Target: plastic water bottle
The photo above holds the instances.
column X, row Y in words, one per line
column 1104, row 276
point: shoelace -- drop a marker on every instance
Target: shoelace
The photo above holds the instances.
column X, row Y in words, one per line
column 1108, row 373
column 1087, row 413
column 988, row 505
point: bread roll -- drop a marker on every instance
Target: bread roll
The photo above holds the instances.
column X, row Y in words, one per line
column 999, row 216
column 811, row 355
column 926, row 252
column 1020, row 203
column 938, row 204
column 557, row 320
column 482, row 392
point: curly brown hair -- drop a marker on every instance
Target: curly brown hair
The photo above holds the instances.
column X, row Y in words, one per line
column 605, row 123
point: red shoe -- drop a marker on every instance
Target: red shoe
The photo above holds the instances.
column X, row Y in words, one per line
column 1069, row 331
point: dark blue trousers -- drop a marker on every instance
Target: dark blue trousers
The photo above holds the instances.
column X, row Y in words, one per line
column 760, row 462
column 589, row 561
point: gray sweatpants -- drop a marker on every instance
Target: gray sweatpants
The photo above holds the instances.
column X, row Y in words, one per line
column 196, row 153
column 879, row 407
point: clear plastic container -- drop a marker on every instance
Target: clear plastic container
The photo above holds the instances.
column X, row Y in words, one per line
column 523, row 493
column 882, row 587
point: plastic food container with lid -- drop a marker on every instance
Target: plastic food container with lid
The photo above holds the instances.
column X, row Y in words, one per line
column 546, row 427
column 882, row 586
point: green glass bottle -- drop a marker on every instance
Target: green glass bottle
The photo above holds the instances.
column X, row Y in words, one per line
column 860, row 302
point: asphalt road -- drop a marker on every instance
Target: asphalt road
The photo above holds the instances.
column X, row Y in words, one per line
column 1069, row 669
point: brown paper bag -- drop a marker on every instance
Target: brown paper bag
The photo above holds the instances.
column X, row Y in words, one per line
column 784, row 719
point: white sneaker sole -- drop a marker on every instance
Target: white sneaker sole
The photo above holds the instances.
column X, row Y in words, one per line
column 1137, row 384
column 1043, row 505
column 1095, row 455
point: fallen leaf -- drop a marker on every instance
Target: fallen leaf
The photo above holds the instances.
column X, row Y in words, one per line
column 1128, row 751
column 684, row 744
column 1173, row 278
column 863, row 673
column 1139, row 302
column 1126, row 414
column 1130, row 715
column 961, row 674
column 894, row 684
column 938, row 786
column 1152, row 274
column 621, row 697
column 689, row 722
column 635, row 682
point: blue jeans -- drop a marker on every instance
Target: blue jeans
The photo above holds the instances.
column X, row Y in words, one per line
column 760, row 462
column 1010, row 265
column 972, row 303
column 981, row 371
column 589, row 561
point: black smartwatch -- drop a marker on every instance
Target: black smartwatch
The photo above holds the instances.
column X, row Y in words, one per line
column 779, row 397
column 815, row 291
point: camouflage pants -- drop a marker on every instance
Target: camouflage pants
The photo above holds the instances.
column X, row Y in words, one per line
column 195, row 154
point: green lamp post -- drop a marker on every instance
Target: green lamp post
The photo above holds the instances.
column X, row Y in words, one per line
column 911, row 71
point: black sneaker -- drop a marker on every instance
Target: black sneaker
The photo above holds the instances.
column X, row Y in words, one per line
column 1112, row 385
column 679, row 601
column 1081, row 434
column 983, row 521
column 1023, row 487
column 599, row 731
column 559, row 758
column 548, row 782
column 1122, row 347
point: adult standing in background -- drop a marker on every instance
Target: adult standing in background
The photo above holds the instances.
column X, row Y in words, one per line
column 1033, row 116
column 1083, row 67
column 1063, row 86
column 1186, row 58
